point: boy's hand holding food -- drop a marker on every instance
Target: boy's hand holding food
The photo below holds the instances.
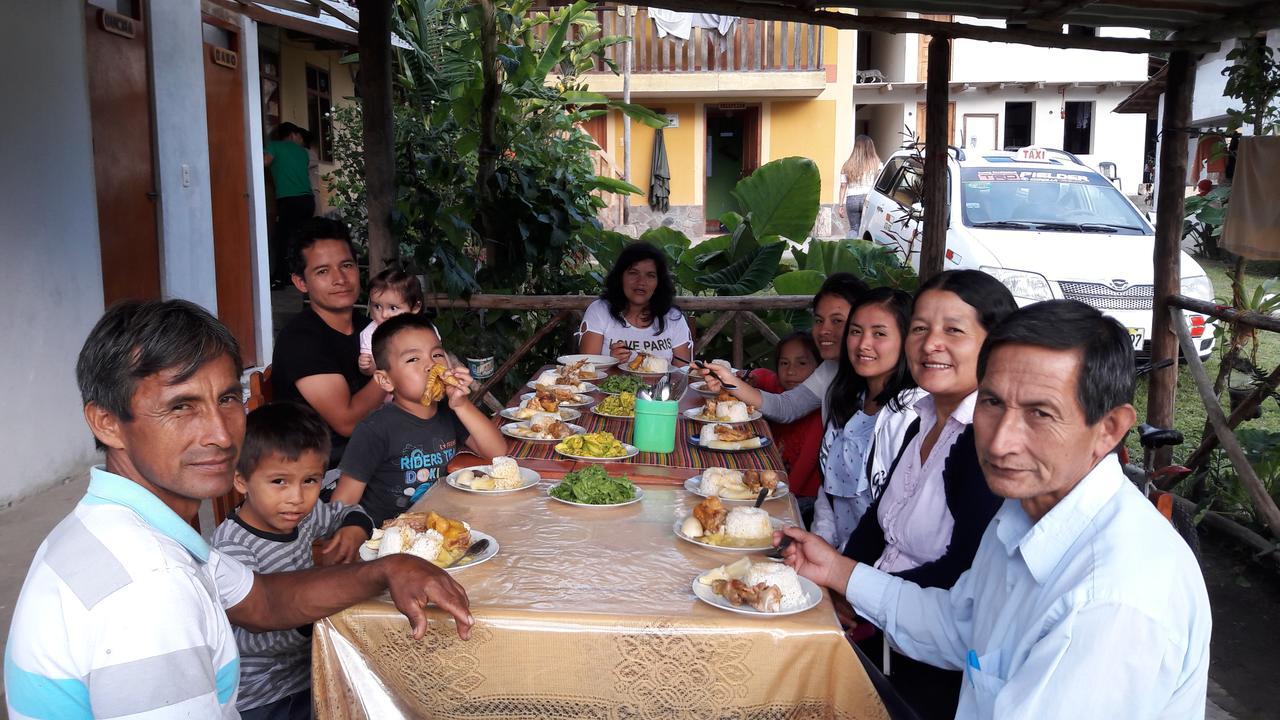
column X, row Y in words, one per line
column 458, row 387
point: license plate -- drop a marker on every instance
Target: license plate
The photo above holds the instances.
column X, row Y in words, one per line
column 1135, row 337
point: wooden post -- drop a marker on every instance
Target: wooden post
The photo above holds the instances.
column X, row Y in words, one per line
column 937, row 98
column 629, row 48
column 738, row 351
column 378, row 134
column 1168, row 251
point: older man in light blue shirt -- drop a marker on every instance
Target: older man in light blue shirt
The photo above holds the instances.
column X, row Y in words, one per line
column 1082, row 601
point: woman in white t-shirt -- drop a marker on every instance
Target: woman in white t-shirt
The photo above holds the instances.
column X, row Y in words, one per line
column 635, row 312
column 857, row 175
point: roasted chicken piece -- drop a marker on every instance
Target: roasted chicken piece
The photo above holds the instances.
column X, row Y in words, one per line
column 415, row 521
column 556, row 429
column 731, row 433
column 637, row 362
column 455, row 532
column 762, row 597
column 709, row 408
column 711, row 514
column 559, row 393
column 544, row 400
column 571, row 374
column 724, row 396
column 756, row 479
column 437, row 378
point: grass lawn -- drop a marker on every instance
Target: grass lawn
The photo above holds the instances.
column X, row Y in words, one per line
column 1189, row 414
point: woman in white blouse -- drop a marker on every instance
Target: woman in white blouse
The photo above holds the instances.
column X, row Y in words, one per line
column 927, row 524
column 857, row 175
column 870, row 408
column 636, row 312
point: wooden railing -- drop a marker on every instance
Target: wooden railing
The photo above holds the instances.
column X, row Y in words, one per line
column 1223, row 427
column 750, row 45
column 740, row 311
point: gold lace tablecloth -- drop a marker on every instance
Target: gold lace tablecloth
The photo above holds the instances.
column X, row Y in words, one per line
column 587, row 613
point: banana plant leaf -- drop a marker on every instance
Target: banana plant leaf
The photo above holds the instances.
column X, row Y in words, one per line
column 748, row 275
column 781, row 198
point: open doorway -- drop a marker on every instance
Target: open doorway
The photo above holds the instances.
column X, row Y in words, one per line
column 733, row 152
column 1017, row 124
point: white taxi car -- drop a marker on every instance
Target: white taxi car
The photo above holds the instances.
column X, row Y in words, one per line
column 1043, row 223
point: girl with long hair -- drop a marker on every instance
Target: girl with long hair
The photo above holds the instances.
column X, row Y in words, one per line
column 830, row 313
column 857, row 175
column 870, row 405
column 635, row 312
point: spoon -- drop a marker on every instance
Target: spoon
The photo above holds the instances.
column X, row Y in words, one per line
column 764, row 493
column 476, row 548
column 703, row 366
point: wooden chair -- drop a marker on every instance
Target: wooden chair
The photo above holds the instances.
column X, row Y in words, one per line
column 260, row 393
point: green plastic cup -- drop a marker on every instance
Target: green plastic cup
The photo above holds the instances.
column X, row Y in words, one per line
column 655, row 425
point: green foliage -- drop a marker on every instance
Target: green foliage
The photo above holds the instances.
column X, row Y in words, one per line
column 544, row 190
column 1225, row 492
column 781, row 198
column 1253, row 78
column 1205, row 215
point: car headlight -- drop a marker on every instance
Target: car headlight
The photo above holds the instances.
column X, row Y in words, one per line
column 1023, row 284
column 1198, row 287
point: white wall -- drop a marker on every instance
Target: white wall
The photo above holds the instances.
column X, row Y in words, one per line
column 1208, row 104
column 51, row 274
column 182, row 141
column 978, row 61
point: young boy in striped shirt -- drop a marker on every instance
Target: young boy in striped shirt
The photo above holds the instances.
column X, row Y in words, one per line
column 280, row 472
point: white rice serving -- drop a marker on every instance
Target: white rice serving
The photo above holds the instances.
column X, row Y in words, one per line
column 716, row 479
column 748, row 523
column 781, row 577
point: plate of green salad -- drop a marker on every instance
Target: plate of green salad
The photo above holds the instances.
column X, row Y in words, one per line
column 593, row 487
column 617, row 384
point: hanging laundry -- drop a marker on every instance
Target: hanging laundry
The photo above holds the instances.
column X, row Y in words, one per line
column 1252, row 229
column 681, row 24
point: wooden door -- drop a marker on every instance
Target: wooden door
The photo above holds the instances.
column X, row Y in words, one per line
column 123, row 163
column 229, row 182
column 922, row 56
column 596, row 127
column 951, row 122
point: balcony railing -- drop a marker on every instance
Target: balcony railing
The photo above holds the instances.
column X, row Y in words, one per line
column 749, row 46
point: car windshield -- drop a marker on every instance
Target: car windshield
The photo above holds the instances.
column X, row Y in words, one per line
column 1048, row 200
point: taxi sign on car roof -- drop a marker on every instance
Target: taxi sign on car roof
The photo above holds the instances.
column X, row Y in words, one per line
column 1031, row 153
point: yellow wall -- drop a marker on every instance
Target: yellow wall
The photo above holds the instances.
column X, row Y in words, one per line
column 681, row 145
column 806, row 128
column 294, row 59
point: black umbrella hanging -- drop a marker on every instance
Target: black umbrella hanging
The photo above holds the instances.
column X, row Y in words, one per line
column 659, row 175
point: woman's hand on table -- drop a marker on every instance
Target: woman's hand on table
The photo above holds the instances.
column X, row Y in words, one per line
column 811, row 557
column 414, row 583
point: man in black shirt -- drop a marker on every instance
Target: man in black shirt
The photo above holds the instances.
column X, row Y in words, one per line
column 316, row 358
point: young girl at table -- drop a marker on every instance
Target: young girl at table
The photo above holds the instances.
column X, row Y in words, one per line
column 392, row 292
column 401, row 449
column 796, row 357
column 869, row 409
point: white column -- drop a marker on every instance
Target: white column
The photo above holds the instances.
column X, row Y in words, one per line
column 260, row 258
column 182, row 152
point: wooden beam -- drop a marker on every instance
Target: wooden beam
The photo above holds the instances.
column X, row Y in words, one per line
column 302, row 7
column 762, row 327
column 937, row 97
column 377, row 133
column 1167, row 257
column 1247, row 318
column 712, row 332
column 846, row 21
column 289, row 22
column 338, row 14
column 1262, row 500
column 521, row 351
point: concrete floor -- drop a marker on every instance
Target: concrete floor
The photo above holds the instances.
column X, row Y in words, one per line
column 24, row 526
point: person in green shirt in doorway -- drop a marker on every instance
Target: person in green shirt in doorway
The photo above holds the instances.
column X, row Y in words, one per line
column 287, row 158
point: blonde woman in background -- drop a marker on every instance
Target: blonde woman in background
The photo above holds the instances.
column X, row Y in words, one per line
column 856, row 178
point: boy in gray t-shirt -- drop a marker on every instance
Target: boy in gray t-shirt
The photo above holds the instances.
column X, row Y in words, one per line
column 280, row 471
column 401, row 449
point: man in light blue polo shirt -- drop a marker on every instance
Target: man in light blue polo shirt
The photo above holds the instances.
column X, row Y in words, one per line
column 126, row 612
column 1082, row 601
